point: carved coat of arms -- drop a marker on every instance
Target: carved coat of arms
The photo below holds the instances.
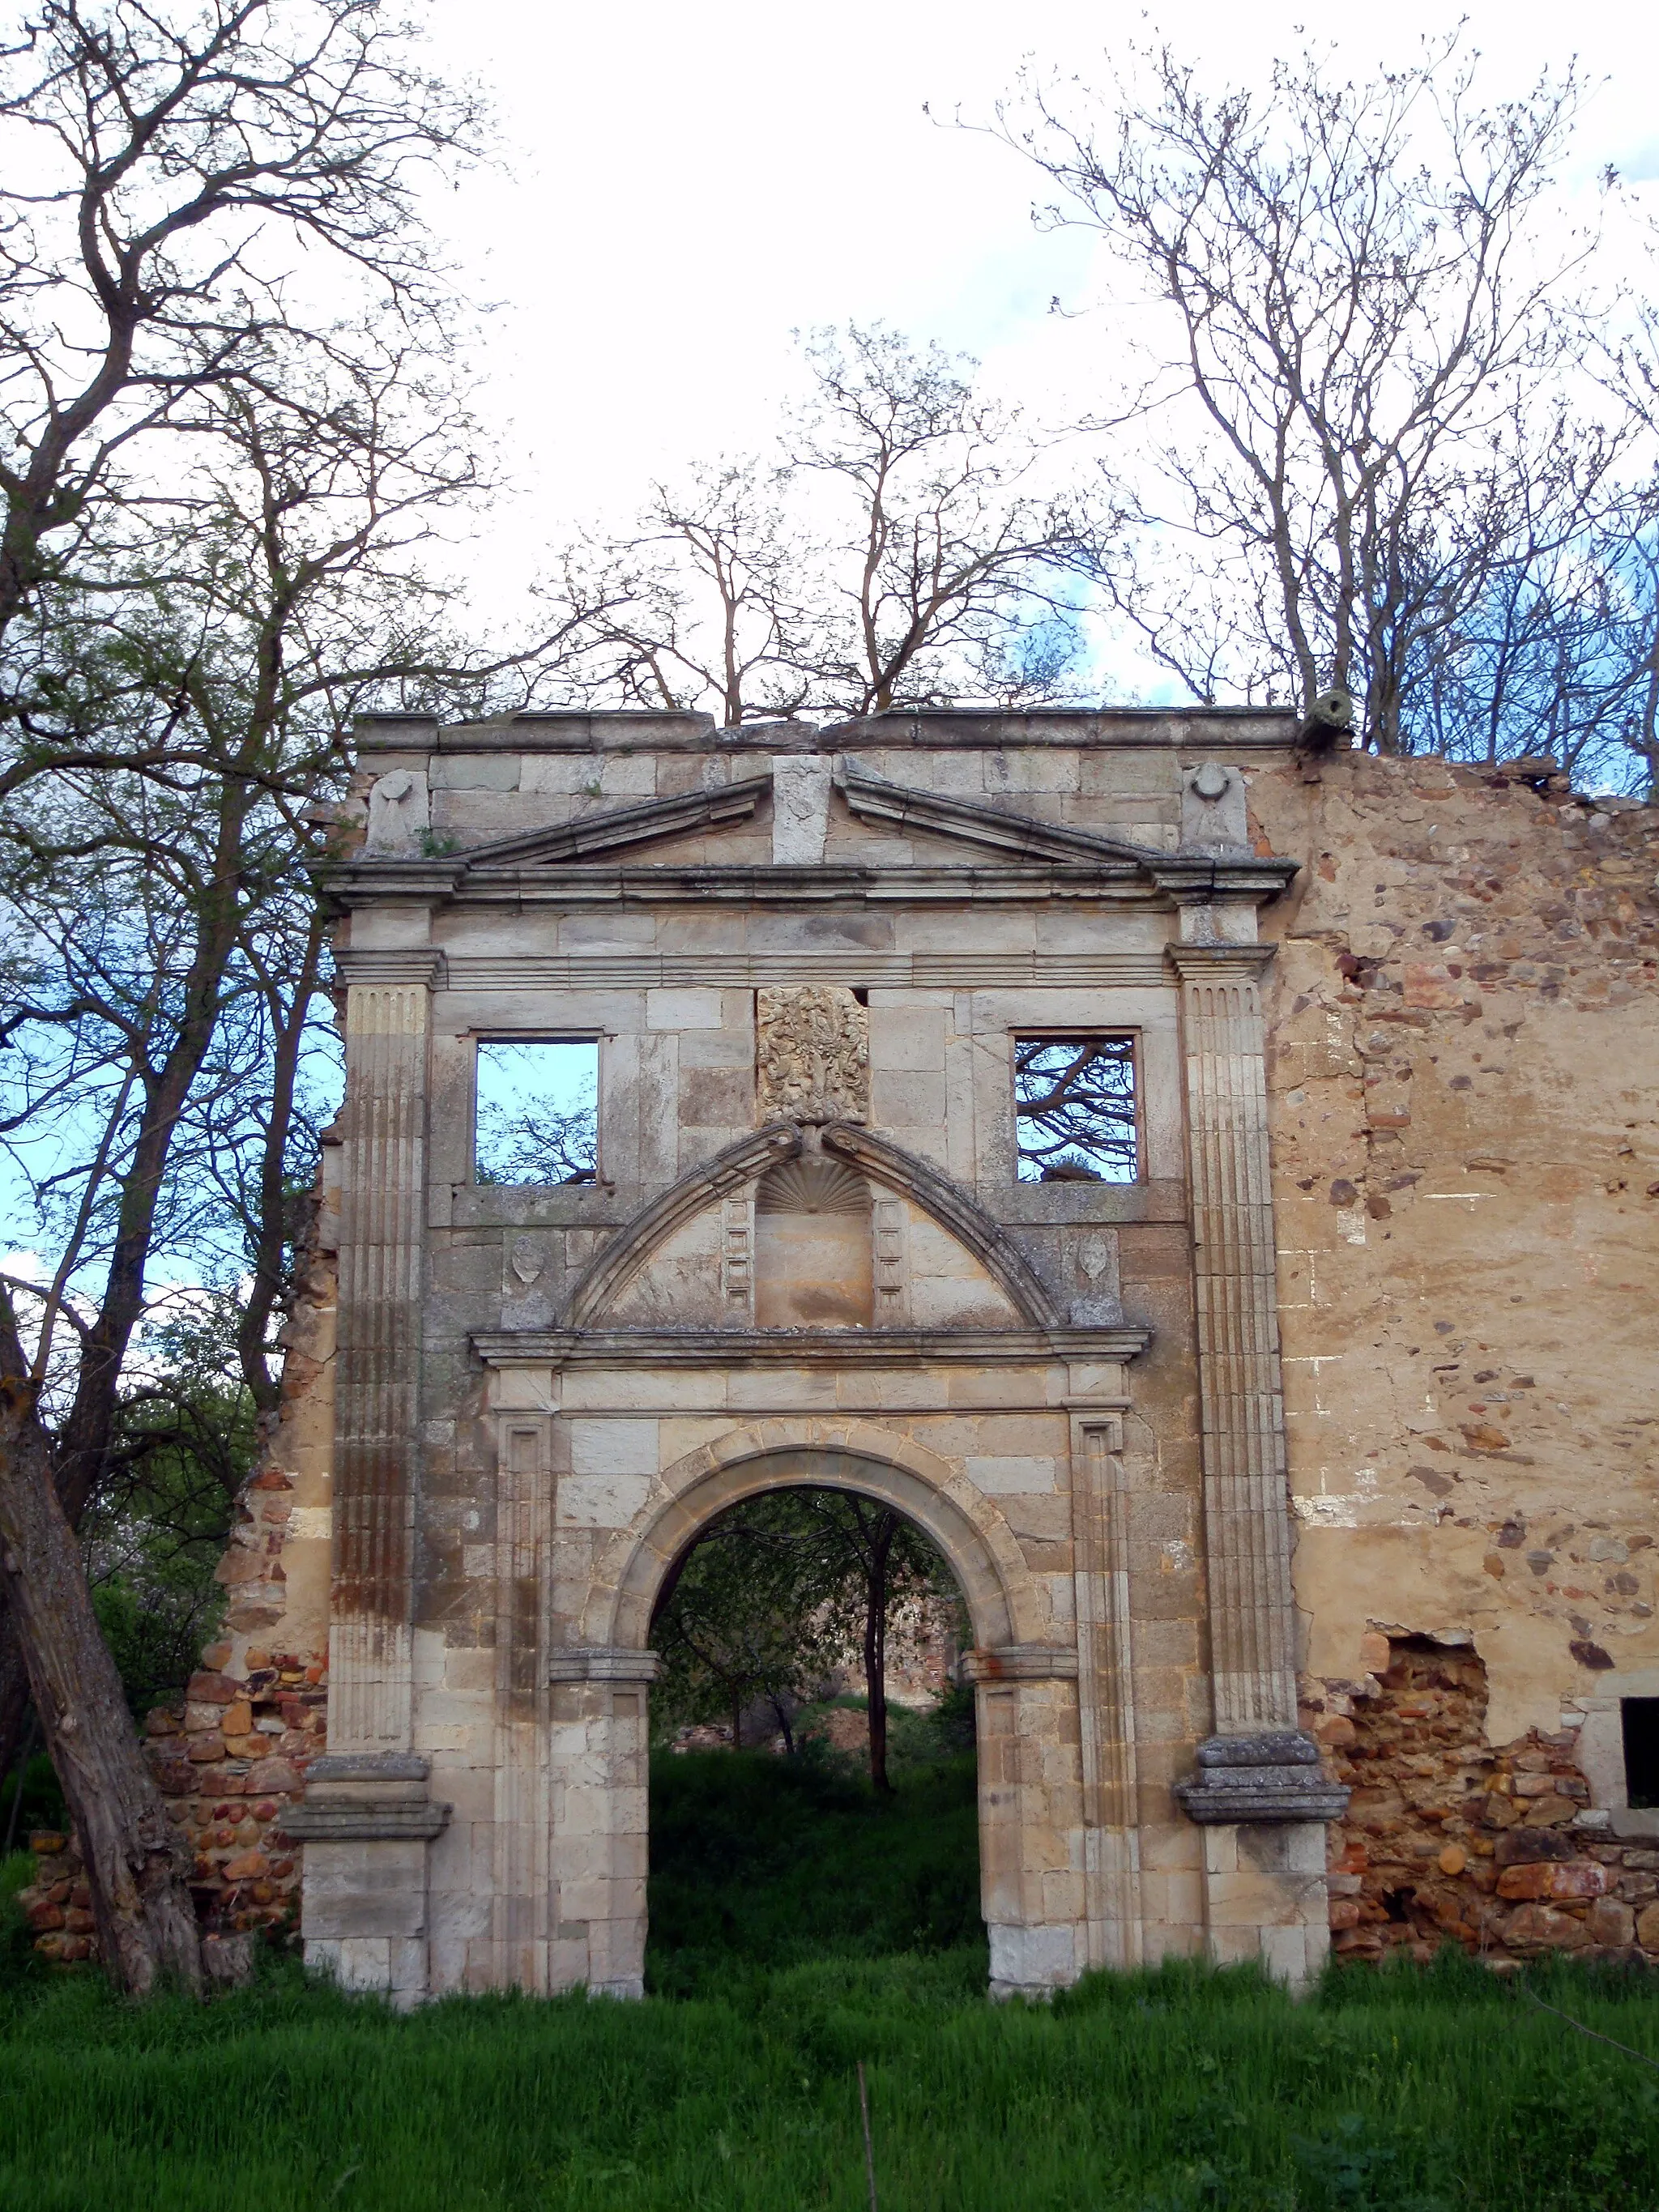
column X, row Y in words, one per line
column 813, row 1052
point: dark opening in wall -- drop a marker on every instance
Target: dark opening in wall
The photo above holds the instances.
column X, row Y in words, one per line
column 1641, row 1723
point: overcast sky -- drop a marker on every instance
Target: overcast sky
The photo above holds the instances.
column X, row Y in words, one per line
column 686, row 185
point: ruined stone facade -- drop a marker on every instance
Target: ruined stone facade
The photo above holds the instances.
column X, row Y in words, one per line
column 1316, row 1460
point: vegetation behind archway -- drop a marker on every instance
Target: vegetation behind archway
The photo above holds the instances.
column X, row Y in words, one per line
column 786, row 1593
column 782, row 1848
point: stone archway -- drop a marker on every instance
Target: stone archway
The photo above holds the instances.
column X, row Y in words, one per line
column 1026, row 1709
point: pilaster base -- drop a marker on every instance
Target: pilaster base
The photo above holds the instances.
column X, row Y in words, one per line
column 1266, row 1898
column 366, row 1822
column 1033, row 1962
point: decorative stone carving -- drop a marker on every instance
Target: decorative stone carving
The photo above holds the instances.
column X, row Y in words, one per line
column 1214, row 817
column 811, row 1187
column 398, row 811
column 813, row 1250
column 813, row 1053
column 738, row 1258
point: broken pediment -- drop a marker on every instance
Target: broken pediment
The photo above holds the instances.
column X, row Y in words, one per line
column 613, row 830
column 795, row 813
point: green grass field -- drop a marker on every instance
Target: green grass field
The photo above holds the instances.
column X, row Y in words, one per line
column 780, row 1896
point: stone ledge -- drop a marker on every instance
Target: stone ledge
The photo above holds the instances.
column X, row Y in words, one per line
column 366, row 1797
column 345, row 1823
column 805, row 1347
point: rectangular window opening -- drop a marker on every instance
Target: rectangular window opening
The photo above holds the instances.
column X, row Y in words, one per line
column 1640, row 1717
column 536, row 1110
column 1075, row 1109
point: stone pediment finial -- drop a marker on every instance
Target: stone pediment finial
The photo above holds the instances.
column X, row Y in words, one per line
column 812, row 1050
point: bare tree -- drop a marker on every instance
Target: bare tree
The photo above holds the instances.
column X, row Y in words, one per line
column 165, row 951
column 175, row 169
column 702, row 603
column 893, row 550
column 1356, row 427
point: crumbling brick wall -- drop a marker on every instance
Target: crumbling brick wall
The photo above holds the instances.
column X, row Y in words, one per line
column 232, row 1754
column 1447, row 1838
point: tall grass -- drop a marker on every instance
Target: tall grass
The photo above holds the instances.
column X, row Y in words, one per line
column 1434, row 2090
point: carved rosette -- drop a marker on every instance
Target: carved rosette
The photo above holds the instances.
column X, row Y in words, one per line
column 812, row 1046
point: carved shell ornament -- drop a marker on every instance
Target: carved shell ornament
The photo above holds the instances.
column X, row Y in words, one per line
column 811, row 1187
column 812, row 1047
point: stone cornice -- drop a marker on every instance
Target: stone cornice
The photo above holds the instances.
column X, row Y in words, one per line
column 1195, row 729
column 802, row 1347
column 1178, row 880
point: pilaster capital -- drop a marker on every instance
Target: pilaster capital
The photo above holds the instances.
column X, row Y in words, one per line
column 621, row 1665
column 1019, row 1663
column 1220, row 964
column 377, row 965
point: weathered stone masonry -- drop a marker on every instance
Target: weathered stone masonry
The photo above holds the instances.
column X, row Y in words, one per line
column 1318, row 1461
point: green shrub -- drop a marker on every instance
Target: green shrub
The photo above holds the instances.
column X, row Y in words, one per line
column 764, row 1861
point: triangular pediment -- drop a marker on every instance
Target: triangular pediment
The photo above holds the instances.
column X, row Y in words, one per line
column 598, row 835
column 971, row 822
column 942, row 824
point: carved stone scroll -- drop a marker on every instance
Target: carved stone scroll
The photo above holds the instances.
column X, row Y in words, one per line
column 813, row 1052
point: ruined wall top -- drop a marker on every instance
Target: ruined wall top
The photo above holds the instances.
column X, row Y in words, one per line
column 1225, row 728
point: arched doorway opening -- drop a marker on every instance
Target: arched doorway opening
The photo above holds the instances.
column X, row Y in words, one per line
column 812, row 1787
column 1022, row 1664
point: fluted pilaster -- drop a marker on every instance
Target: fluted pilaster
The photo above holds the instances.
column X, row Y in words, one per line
column 1246, row 1507
column 377, row 1399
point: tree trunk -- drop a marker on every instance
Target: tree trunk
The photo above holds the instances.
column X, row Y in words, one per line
column 145, row 1919
column 875, row 1650
column 13, row 1685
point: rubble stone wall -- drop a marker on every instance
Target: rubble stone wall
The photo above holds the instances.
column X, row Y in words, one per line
column 1463, row 1086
